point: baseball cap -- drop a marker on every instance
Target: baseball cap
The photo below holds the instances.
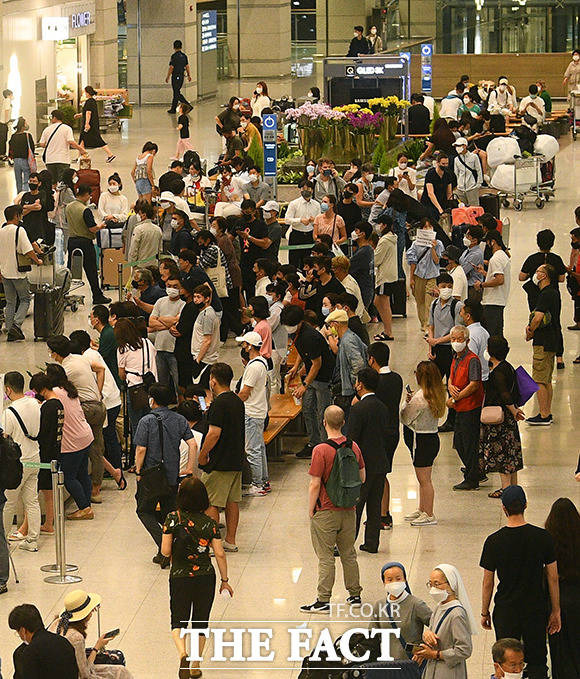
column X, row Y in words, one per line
column 271, row 206
column 251, row 338
column 338, row 315
column 460, row 141
column 452, row 252
column 513, row 494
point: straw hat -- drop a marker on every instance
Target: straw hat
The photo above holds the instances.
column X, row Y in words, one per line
column 78, row 604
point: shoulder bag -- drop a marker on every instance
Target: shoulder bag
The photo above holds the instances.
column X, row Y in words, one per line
column 217, row 275
column 139, row 393
column 22, row 425
column 23, row 262
column 31, row 158
column 49, row 140
column 153, row 483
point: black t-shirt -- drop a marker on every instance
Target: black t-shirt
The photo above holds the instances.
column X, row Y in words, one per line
column 227, row 413
column 530, row 266
column 185, row 327
column 33, row 222
column 179, row 61
column 389, row 390
column 546, row 334
column 440, row 185
column 250, row 251
column 233, row 144
column 356, row 325
column 50, row 433
column 419, row 119
column 310, row 344
column 351, row 214
column 183, row 120
column 332, row 286
column 518, row 556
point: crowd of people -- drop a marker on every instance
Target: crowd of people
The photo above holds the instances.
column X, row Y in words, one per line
column 358, row 245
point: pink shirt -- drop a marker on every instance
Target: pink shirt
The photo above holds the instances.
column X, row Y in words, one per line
column 265, row 331
column 76, row 432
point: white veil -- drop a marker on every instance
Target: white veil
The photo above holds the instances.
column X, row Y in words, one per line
column 456, row 584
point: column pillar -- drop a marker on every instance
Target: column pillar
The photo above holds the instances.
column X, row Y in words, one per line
column 103, row 46
column 161, row 24
column 343, row 16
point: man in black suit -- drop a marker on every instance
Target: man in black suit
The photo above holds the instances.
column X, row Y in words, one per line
column 43, row 655
column 419, row 116
column 389, row 390
column 367, row 426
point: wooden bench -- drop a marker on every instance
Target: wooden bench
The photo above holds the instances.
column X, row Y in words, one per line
column 273, row 434
column 283, row 405
column 283, row 410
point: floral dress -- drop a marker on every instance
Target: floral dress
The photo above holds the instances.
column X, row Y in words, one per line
column 192, row 535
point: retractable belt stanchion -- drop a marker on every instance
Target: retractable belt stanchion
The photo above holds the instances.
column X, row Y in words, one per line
column 60, row 567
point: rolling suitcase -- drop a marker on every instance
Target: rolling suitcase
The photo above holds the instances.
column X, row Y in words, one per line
column 399, row 299
column 93, row 179
column 48, row 312
column 490, row 203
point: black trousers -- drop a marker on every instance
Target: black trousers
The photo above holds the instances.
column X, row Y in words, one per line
column 3, row 138
column 371, row 494
column 191, row 599
column 89, row 262
column 466, row 442
column 150, row 517
column 530, row 628
column 231, row 317
column 493, row 319
column 296, row 257
column 177, row 84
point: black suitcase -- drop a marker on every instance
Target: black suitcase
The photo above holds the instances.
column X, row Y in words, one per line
column 401, row 669
column 399, row 299
column 490, row 203
column 48, row 313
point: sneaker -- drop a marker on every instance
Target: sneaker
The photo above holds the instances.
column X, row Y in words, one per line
column 318, row 607
column 354, row 600
column 413, row 515
column 16, row 536
column 539, row 421
column 228, row 547
column 97, row 499
column 387, row 522
column 253, row 491
column 266, row 487
column 170, row 110
column 102, row 300
column 28, row 545
column 3, row 588
column 305, row 453
column 14, row 335
column 466, row 485
column 424, row 520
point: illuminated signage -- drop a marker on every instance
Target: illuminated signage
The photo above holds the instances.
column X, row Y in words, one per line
column 80, row 17
column 55, row 28
column 209, row 30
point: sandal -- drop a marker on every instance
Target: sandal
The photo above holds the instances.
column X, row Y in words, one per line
column 383, row 337
column 183, row 668
column 122, row 482
column 576, row 361
column 496, row 494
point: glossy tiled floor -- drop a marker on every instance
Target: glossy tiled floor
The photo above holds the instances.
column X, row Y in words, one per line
column 275, row 570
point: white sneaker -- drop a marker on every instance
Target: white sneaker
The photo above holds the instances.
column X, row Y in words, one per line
column 16, row 536
column 228, row 547
column 424, row 520
column 29, row 545
column 254, row 491
column 413, row 515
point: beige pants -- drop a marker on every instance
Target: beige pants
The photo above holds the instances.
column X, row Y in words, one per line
column 422, row 287
column 27, row 491
column 95, row 415
column 327, row 529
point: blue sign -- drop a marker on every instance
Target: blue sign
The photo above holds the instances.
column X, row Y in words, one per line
column 406, row 56
column 209, row 30
column 270, row 137
column 426, row 68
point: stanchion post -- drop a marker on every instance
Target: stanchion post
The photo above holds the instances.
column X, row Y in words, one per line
column 120, row 280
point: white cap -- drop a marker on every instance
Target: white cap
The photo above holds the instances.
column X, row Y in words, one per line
column 503, row 81
column 167, row 195
column 460, row 141
column 251, row 338
column 271, row 206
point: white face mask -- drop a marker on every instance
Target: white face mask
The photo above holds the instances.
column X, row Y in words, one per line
column 172, row 293
column 254, row 178
column 266, row 214
column 402, row 165
column 466, row 242
column 576, row 57
column 355, row 34
column 395, row 589
column 213, row 230
column 513, row 675
column 370, row 177
column 114, row 188
column 75, row 180
column 373, row 31
column 438, row 595
column 165, row 205
column 291, row 329
column 354, row 235
column 466, row 100
column 174, row 224
column 445, row 293
column 533, row 96
column 502, row 88
column 458, row 347
column 536, row 280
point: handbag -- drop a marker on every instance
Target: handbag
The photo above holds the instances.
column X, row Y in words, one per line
column 23, row 262
column 139, row 393
column 153, row 483
column 31, row 159
column 107, row 656
column 492, row 415
column 217, row 275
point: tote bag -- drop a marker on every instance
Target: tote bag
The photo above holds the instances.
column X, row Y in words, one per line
column 217, row 275
column 527, row 387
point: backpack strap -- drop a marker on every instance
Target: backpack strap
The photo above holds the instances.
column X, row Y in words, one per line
column 438, row 627
column 22, row 425
column 454, row 303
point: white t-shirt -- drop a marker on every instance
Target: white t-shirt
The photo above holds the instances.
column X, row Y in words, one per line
column 449, row 107
column 29, row 410
column 111, row 393
column 6, row 110
column 132, row 361
column 8, row 262
column 78, row 370
column 164, row 340
column 411, row 173
column 498, row 264
column 58, row 151
column 184, row 454
column 459, row 283
column 206, row 323
column 256, row 376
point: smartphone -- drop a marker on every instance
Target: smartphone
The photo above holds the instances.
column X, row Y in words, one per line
column 112, row 633
column 327, row 173
column 409, row 390
column 202, row 403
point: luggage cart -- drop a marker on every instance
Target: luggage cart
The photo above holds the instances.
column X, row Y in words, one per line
column 575, row 96
column 534, row 190
column 73, row 302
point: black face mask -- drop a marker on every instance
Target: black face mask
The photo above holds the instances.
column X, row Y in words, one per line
column 33, row 187
column 347, row 194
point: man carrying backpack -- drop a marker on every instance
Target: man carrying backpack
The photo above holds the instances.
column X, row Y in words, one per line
column 336, row 473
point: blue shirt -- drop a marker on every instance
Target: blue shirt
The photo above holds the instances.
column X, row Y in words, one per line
column 471, row 258
column 421, row 256
column 352, row 357
column 175, row 429
column 478, row 337
column 179, row 61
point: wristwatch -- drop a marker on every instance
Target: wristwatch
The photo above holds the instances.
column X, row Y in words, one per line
column 452, row 400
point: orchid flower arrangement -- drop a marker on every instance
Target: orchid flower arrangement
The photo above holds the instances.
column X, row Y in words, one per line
column 310, row 115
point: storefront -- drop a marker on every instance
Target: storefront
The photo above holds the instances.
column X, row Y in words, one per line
column 45, row 53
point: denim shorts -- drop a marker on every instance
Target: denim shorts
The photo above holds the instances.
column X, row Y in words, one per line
column 143, row 186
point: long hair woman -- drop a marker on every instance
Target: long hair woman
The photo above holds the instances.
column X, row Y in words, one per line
column 420, row 416
column 21, row 145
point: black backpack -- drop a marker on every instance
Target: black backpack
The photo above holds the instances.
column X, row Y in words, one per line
column 10, row 464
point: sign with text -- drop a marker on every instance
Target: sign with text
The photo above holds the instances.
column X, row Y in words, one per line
column 209, row 30
column 81, row 18
column 426, row 68
column 55, row 28
column 270, row 138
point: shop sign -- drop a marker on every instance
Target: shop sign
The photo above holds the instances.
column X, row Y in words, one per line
column 55, row 28
column 209, row 30
column 80, row 17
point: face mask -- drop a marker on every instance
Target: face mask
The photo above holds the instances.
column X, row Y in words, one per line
column 172, row 293
column 325, row 311
column 402, row 165
column 347, row 194
column 113, row 188
column 33, row 186
column 438, row 595
column 267, row 214
column 213, row 230
column 445, row 293
column 307, row 195
column 236, row 107
column 134, row 285
column 309, row 95
column 355, row 34
column 502, row 88
column 310, row 169
column 533, row 96
column 254, row 178
column 269, row 299
column 151, row 402
column 195, row 177
column 370, row 177
column 324, row 207
column 165, row 205
column 174, row 224
column 291, row 329
column 259, row 90
column 466, row 242
column 513, row 675
column 75, row 180
column 355, row 235
column 395, row 589
column 458, row 347
column 466, row 100
column 486, row 355
column 536, row 280
column 576, row 57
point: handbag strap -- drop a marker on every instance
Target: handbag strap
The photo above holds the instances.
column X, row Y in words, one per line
column 391, row 621
column 49, row 140
column 438, row 627
column 28, row 142
column 22, row 425
column 160, row 429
